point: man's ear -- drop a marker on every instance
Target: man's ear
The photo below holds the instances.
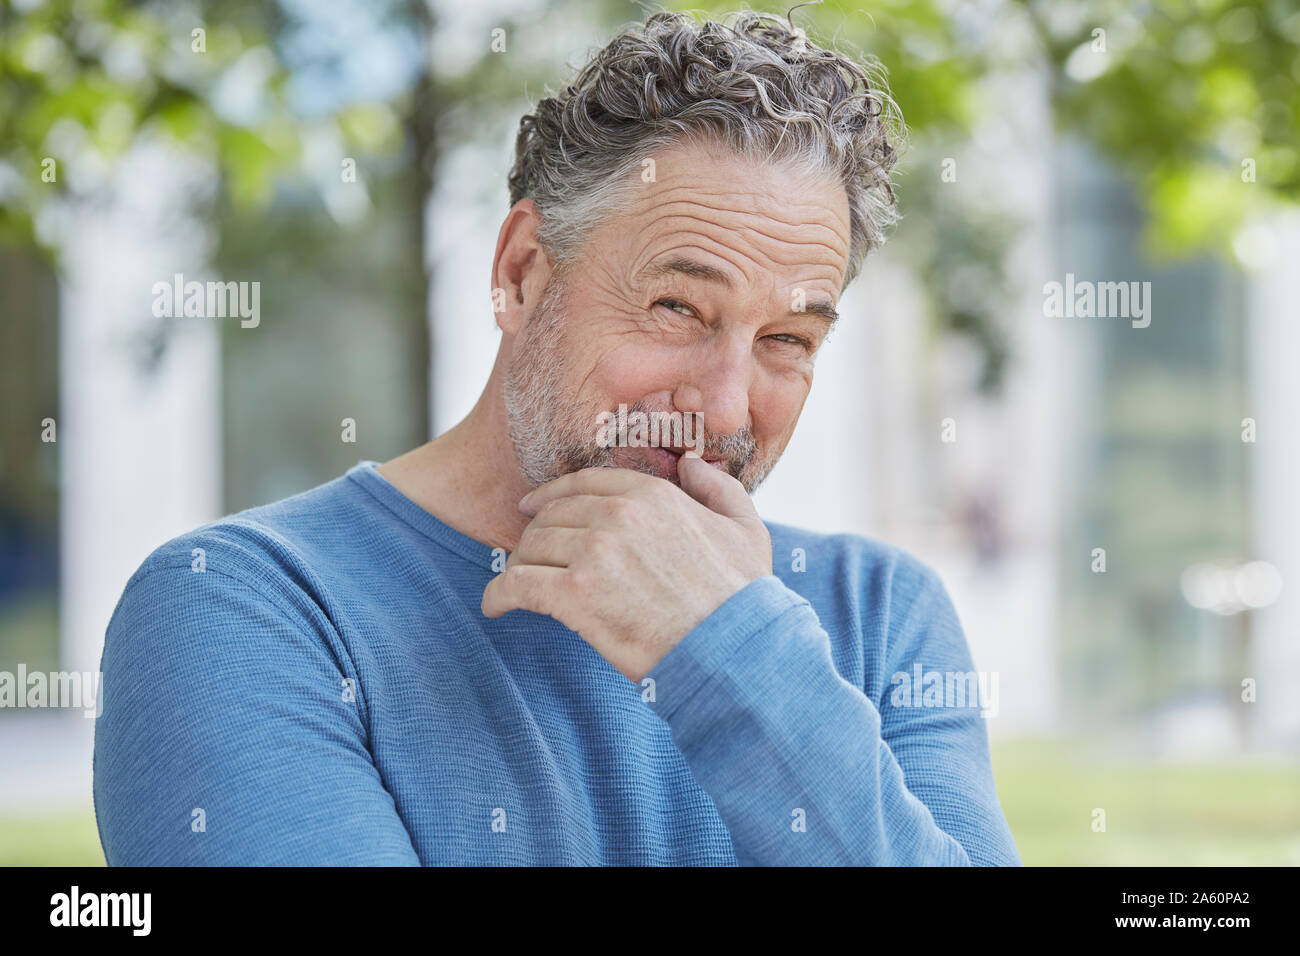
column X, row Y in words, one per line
column 520, row 268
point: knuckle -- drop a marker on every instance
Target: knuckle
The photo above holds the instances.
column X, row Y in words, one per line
column 621, row 509
column 580, row 578
column 602, row 545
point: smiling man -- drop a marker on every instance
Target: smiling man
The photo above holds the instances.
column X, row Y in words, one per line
column 359, row 674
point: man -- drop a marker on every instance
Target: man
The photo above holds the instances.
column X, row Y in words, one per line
column 358, row 674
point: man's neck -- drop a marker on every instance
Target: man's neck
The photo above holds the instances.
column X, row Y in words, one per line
column 468, row 477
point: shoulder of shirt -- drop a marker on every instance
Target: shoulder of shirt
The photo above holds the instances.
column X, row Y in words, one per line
column 261, row 546
column 849, row 552
column 868, row 579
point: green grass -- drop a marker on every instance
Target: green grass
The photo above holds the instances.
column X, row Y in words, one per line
column 1226, row 814
column 1238, row 814
column 68, row 839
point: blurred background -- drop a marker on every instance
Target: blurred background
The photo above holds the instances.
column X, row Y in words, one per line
column 1113, row 508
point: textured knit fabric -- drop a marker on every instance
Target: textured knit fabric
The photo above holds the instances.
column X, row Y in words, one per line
column 313, row 682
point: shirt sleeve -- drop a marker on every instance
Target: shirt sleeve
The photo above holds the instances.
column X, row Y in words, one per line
column 804, row 768
column 233, row 732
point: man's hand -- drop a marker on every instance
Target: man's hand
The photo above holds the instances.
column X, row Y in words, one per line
column 630, row 561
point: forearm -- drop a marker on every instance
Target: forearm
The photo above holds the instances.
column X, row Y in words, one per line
column 791, row 753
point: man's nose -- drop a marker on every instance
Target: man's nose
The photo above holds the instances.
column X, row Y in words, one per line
column 717, row 385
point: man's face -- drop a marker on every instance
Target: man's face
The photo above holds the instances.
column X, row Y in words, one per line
column 708, row 297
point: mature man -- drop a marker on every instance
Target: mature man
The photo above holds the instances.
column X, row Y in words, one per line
column 357, row 675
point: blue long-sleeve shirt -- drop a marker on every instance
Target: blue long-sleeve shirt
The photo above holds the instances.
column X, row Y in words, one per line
column 313, row 682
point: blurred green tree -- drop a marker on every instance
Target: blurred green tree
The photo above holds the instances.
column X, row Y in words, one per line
column 1188, row 99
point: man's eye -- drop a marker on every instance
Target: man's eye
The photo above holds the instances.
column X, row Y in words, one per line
column 675, row 305
column 793, row 340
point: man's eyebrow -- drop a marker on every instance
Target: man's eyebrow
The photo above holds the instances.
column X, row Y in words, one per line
column 684, row 265
column 824, row 309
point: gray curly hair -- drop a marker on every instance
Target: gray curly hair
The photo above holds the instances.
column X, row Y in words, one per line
column 758, row 86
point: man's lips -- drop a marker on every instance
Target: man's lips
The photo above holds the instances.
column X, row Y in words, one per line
column 676, row 453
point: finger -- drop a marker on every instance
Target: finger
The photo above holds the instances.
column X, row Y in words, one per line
column 713, row 488
column 551, row 545
column 586, row 481
column 579, row 511
column 527, row 587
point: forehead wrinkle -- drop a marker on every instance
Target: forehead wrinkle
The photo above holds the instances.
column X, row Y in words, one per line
column 837, row 251
column 827, row 235
column 657, row 206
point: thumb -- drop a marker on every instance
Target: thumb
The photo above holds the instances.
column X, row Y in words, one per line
column 713, row 488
